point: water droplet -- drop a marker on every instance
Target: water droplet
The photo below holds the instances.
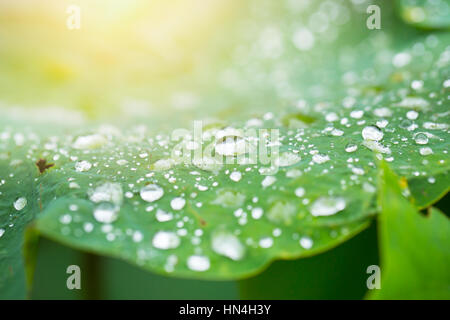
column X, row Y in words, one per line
column 177, row 203
column 286, row 159
column 266, row 242
column 236, row 176
column 420, row 138
column 351, row 147
column 268, row 181
column 412, row 115
column 327, row 206
column 107, row 192
column 372, row 133
column 165, row 240
column 65, row 219
column 231, row 146
column 356, row 114
column 82, row 166
column 228, row 245
column 106, row 212
column 306, row 242
column 376, row 146
column 151, row 192
column 163, row 216
column 20, row 203
column 137, row 236
column 257, row 213
column 320, row 158
column 425, row 151
column 198, row 263
column 300, row 192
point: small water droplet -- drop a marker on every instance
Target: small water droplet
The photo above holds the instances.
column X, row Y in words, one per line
column 268, row 181
column 412, row 115
column 306, row 242
column 266, row 242
column 257, row 213
column 351, row 147
column 300, row 192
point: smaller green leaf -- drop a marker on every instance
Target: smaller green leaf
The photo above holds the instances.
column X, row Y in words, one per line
column 415, row 251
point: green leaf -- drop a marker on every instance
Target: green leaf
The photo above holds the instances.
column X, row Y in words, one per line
column 415, row 252
column 18, row 204
column 319, row 96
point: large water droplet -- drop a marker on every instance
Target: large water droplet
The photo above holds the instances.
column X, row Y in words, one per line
column 420, row 138
column 20, row 203
column 177, row 203
column 151, row 193
column 372, row 133
column 327, row 206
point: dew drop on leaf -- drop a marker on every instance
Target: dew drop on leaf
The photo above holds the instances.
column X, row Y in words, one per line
column 151, row 193
column 165, row 240
column 198, row 263
column 228, row 245
column 20, row 203
column 306, row 242
column 106, row 212
column 327, row 206
column 372, row 133
column 82, row 166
